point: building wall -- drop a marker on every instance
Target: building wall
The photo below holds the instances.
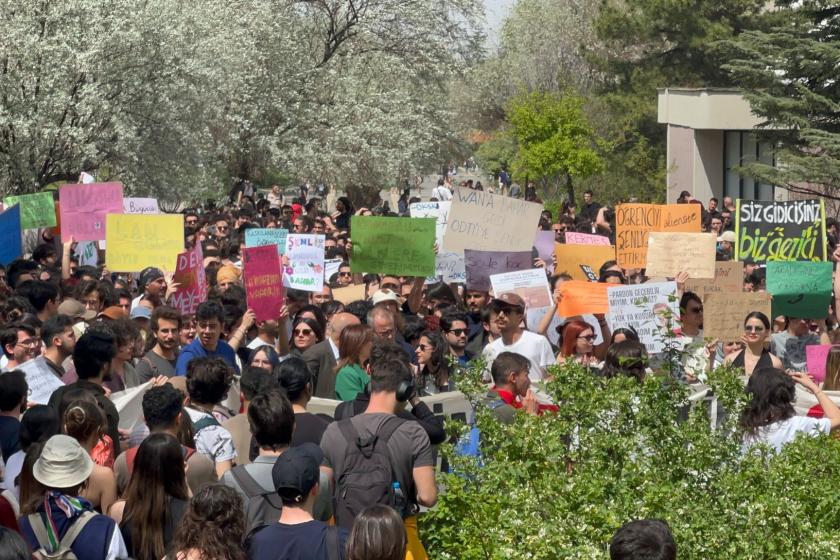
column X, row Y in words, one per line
column 680, row 174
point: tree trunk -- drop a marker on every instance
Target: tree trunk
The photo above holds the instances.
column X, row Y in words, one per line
column 570, row 189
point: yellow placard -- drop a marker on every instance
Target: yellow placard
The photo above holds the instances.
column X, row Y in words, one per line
column 572, row 258
column 135, row 241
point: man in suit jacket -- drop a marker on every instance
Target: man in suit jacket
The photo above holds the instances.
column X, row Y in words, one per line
column 322, row 358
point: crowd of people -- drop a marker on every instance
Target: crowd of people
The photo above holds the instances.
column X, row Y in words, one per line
column 227, row 462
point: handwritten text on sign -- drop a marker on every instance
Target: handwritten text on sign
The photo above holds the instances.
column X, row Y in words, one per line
column 305, row 254
column 724, row 313
column 189, row 274
column 488, row 222
column 263, row 281
column 36, row 210
column 140, row 206
column 84, row 207
column 257, row 237
column 670, row 253
column 635, row 221
column 402, row 246
column 780, row 231
column 800, row 288
column 480, row 265
column 648, row 308
column 136, row 241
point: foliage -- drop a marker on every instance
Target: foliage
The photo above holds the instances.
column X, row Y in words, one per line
column 558, row 486
column 496, row 154
column 789, row 74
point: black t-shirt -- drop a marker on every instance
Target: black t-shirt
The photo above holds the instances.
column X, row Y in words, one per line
column 304, row 541
column 309, row 428
column 10, row 436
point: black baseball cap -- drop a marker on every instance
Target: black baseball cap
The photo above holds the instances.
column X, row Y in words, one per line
column 297, row 471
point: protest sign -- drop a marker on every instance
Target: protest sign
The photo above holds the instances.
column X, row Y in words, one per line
column 349, row 294
column 482, row 221
column 729, row 277
column 531, row 285
column 570, row 259
column 780, row 231
column 140, row 206
column 40, row 379
column 437, row 210
column 648, row 308
column 84, row 207
column 189, row 274
column 575, row 238
column 401, row 246
column 87, row 253
column 480, row 265
column 129, row 405
column 305, row 268
column 635, row 221
column 449, row 267
column 136, row 241
column 670, row 253
column 10, row 232
column 263, row 281
column 816, row 355
column 800, row 288
column 581, row 297
column 724, row 313
column 257, row 237
column 331, row 267
column 36, row 210
column 544, row 244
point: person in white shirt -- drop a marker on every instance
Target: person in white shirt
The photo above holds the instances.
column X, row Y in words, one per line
column 441, row 192
column 507, row 311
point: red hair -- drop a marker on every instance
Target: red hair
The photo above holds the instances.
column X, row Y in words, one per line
column 569, row 335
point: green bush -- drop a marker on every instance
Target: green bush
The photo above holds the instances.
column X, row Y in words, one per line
column 558, row 486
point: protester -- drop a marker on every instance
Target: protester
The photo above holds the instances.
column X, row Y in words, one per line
column 306, row 333
column 294, row 377
column 789, row 345
column 59, row 341
column 378, row 534
column 83, row 420
column 264, row 357
column 354, row 346
column 20, row 344
column 254, row 381
column 209, row 317
column 433, row 375
column 212, row 527
column 208, row 381
column 166, row 323
column 578, row 341
column 628, row 358
column 322, row 358
column 13, row 398
column 755, row 355
column 648, row 539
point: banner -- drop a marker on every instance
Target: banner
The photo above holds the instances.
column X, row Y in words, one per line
column 800, row 288
column 305, row 268
column 724, row 313
column 84, row 207
column 635, row 221
column 570, row 259
column 264, row 281
column 10, row 232
column 449, row 266
column 136, row 241
column 489, row 222
column 140, row 206
column 646, row 308
column 257, row 237
column 816, row 355
column 531, row 285
column 349, row 294
column 580, row 297
column 40, row 379
column 671, row 253
column 189, row 274
column 36, row 210
column 480, row 265
column 400, row 246
column 575, row 238
column 780, row 231
column 729, row 277
column 129, row 405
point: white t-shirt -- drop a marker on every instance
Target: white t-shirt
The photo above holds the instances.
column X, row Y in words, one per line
column 777, row 434
column 533, row 346
column 213, row 441
column 441, row 193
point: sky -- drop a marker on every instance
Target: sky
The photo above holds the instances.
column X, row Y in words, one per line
column 496, row 11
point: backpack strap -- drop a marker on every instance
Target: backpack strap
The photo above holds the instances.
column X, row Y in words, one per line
column 333, row 549
column 348, row 430
column 40, row 530
column 70, row 536
column 246, row 481
column 205, row 422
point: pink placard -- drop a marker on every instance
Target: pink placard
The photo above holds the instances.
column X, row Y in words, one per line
column 189, row 273
column 815, row 355
column 575, row 238
column 544, row 244
column 263, row 281
column 84, row 207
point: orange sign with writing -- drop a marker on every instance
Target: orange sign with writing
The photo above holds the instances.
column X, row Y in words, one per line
column 635, row 221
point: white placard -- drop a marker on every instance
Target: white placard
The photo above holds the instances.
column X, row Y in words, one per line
column 140, row 206
column 449, row 266
column 87, row 253
column 129, row 404
column 531, row 285
column 41, row 380
column 305, row 268
column 643, row 306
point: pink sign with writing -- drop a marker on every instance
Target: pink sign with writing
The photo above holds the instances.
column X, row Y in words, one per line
column 189, row 274
column 575, row 238
column 263, row 281
column 815, row 355
column 83, row 209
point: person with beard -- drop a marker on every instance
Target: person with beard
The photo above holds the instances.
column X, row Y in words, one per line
column 475, row 300
column 453, row 323
column 92, row 357
column 161, row 359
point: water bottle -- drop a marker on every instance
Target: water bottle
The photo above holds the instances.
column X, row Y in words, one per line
column 400, row 503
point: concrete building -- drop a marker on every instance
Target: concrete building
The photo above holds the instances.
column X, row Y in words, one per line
column 710, row 132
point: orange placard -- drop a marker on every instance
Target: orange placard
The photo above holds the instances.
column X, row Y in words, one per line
column 581, row 297
column 635, row 221
column 571, row 258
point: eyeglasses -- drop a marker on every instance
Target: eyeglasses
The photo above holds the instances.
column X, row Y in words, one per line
column 457, row 332
column 345, row 274
column 588, row 338
column 222, row 228
column 302, row 332
column 30, row 342
column 753, row 329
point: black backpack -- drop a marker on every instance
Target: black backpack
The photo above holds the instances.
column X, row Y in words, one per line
column 367, row 476
column 263, row 506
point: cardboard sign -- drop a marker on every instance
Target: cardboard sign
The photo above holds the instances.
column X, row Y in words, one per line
column 257, row 237
column 580, row 297
column 531, row 285
column 671, row 253
column 800, row 288
column 36, row 210
column 41, row 380
column 646, row 308
column 349, row 294
column 263, row 281
column 305, row 268
column 816, row 355
column 84, row 207
column 401, row 246
column 570, row 258
column 489, row 222
column 724, row 313
column 729, row 277
column 10, row 232
column 189, row 274
column 140, row 206
column 635, row 221
column 136, row 241
column 780, row 231
column 480, row 265
column 575, row 238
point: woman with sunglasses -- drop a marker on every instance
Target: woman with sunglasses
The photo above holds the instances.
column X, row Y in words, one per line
column 755, row 355
column 306, row 333
column 578, row 342
column 434, row 375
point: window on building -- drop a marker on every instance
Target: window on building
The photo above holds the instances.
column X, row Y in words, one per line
column 739, row 149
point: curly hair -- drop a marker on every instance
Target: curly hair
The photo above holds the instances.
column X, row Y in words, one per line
column 773, row 392
column 213, row 525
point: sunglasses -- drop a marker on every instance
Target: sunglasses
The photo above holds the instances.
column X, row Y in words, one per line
column 753, row 329
column 345, row 274
column 457, row 332
column 588, row 338
column 222, row 228
column 424, row 347
column 303, row 332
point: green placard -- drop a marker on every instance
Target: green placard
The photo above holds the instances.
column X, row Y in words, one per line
column 36, row 210
column 401, row 246
column 800, row 288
